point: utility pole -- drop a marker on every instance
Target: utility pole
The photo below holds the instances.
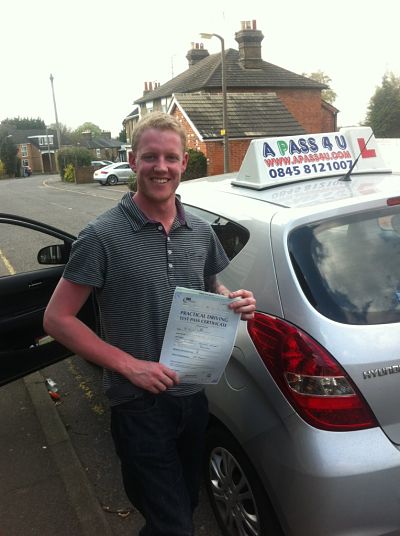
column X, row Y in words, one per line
column 55, row 112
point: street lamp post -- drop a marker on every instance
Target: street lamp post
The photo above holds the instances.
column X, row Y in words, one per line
column 224, row 130
column 55, row 113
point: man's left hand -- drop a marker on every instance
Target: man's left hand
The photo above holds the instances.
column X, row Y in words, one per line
column 245, row 306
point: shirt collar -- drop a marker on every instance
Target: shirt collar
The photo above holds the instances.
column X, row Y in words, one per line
column 139, row 220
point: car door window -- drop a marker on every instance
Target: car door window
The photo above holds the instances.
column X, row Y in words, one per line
column 19, row 247
column 232, row 236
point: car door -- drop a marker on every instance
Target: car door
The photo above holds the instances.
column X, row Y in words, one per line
column 124, row 172
column 32, row 259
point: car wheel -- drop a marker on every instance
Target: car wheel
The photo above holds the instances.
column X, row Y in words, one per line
column 240, row 504
column 112, row 180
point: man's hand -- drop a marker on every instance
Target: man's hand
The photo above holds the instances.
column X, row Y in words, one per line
column 246, row 306
column 149, row 375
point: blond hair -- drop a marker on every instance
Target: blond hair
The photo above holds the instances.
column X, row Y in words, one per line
column 158, row 121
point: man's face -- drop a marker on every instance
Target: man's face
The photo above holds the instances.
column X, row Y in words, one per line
column 159, row 162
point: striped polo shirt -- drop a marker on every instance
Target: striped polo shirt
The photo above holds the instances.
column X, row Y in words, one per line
column 134, row 267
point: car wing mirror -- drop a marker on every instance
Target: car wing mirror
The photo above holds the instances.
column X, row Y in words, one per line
column 57, row 254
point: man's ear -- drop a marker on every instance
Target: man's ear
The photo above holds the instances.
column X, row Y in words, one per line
column 185, row 161
column 132, row 160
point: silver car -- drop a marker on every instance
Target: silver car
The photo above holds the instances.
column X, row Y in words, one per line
column 304, row 434
column 120, row 172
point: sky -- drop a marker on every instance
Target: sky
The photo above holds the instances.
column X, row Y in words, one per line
column 101, row 53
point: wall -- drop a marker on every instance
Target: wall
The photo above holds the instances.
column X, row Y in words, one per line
column 84, row 174
column 305, row 106
column 214, row 150
column 328, row 121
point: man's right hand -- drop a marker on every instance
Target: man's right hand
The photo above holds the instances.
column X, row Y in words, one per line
column 62, row 324
column 152, row 376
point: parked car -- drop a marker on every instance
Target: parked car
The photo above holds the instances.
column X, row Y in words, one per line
column 304, row 434
column 100, row 163
column 120, row 172
column 27, row 171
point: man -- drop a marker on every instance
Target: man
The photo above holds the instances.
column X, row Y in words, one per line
column 134, row 256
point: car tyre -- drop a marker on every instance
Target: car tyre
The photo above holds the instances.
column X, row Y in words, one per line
column 112, row 180
column 239, row 502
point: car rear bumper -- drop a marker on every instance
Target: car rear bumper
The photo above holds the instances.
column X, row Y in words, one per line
column 330, row 483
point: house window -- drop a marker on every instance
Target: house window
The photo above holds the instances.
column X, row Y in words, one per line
column 98, row 153
column 24, row 150
column 46, row 140
column 25, row 162
column 164, row 105
column 149, row 106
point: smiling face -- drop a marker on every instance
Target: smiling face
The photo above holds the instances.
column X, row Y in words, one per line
column 159, row 162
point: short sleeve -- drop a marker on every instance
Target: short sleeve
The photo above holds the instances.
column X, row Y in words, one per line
column 87, row 262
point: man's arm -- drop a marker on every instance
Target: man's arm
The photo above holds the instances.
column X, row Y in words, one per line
column 61, row 322
column 246, row 306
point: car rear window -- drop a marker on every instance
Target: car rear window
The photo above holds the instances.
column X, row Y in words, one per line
column 349, row 268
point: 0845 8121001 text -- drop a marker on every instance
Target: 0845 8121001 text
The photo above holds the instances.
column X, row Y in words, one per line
column 308, row 169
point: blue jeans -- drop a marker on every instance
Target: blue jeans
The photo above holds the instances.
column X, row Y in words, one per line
column 159, row 440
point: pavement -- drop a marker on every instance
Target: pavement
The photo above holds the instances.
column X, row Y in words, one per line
column 43, row 487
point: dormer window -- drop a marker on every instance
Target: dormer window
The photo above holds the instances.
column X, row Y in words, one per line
column 46, row 140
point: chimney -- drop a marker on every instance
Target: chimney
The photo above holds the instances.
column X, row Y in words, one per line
column 196, row 54
column 86, row 135
column 249, row 39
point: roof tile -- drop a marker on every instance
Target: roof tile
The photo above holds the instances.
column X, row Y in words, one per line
column 249, row 114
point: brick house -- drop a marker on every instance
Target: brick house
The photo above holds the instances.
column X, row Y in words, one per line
column 102, row 147
column 262, row 100
column 36, row 149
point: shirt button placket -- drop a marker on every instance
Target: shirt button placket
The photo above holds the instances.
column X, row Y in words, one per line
column 170, row 265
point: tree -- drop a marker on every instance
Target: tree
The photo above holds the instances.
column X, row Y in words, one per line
column 8, row 153
column 87, row 127
column 383, row 114
column 76, row 156
column 23, row 123
column 327, row 94
column 66, row 134
column 122, row 136
column 197, row 165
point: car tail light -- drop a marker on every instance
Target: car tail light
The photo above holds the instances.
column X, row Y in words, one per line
column 309, row 377
column 392, row 201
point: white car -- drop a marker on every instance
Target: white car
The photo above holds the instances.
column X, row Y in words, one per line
column 120, row 172
column 100, row 163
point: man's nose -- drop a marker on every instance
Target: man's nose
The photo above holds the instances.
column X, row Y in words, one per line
column 161, row 164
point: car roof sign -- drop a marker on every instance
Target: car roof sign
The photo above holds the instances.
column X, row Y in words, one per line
column 272, row 161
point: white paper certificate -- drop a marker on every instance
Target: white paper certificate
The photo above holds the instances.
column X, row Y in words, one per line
column 200, row 335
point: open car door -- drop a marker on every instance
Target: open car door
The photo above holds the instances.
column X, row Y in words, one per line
column 32, row 259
